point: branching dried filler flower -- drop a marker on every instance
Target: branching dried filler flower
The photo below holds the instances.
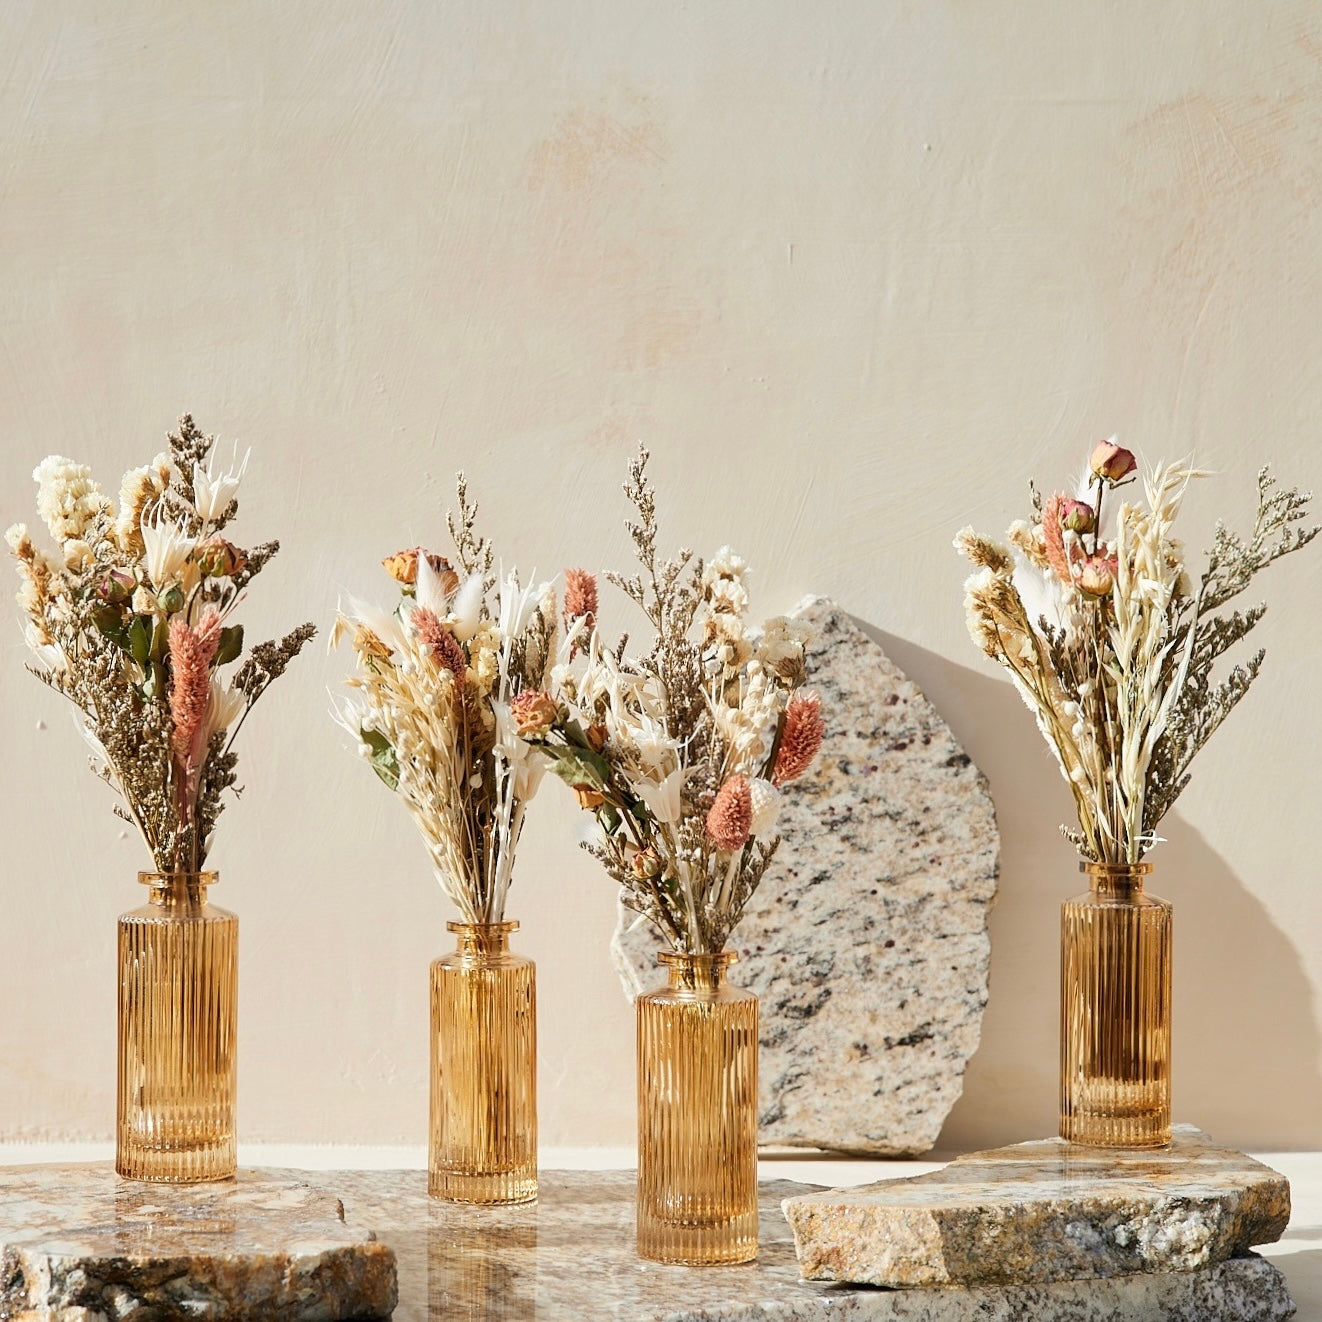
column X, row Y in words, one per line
column 130, row 623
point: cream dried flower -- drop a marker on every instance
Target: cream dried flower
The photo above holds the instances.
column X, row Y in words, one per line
column 68, row 500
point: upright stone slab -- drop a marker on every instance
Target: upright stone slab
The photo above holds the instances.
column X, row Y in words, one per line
column 79, row 1244
column 1045, row 1211
column 867, row 939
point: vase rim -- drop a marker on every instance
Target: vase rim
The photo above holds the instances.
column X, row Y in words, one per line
column 160, row 880
column 1094, row 869
column 479, row 929
column 714, row 958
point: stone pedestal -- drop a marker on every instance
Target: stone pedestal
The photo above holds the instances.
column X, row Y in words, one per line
column 78, row 1244
column 571, row 1256
column 1046, row 1211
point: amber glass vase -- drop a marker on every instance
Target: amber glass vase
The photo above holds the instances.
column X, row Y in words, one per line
column 697, row 1115
column 1115, row 1011
column 178, row 1011
column 483, row 1137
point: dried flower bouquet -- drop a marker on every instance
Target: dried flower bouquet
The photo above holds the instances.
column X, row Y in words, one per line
column 437, row 677
column 679, row 752
column 1112, row 645
column 130, row 623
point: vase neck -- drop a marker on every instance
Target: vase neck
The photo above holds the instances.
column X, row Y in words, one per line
column 482, row 938
column 170, row 889
column 1116, row 878
column 702, row 973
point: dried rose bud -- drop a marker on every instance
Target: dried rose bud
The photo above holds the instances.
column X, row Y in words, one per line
column 588, row 797
column 1096, row 575
column 1077, row 516
column 1111, row 463
column 403, row 568
column 217, row 558
column 115, row 587
column 646, row 863
column 534, row 713
column 172, row 599
column 596, row 734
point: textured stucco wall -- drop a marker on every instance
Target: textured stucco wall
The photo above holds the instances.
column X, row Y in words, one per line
column 855, row 271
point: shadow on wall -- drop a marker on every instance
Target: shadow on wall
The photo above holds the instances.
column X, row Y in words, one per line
column 1246, row 1043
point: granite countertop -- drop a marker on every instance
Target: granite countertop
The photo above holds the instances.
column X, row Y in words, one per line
column 570, row 1257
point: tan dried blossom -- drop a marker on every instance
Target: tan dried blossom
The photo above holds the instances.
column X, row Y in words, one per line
column 402, row 566
column 139, row 491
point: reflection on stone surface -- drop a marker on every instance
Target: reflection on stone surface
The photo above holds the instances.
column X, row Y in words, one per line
column 77, row 1242
column 571, row 1258
column 1046, row 1211
column 866, row 942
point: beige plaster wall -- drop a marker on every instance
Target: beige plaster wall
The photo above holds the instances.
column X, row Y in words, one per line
column 853, row 270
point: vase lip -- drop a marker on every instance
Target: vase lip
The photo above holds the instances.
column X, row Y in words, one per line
column 482, row 929
column 1114, row 870
column 712, row 958
column 162, row 880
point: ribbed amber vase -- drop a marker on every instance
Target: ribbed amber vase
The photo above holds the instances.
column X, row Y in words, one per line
column 483, row 1139
column 1115, row 1011
column 697, row 1115
column 178, row 1011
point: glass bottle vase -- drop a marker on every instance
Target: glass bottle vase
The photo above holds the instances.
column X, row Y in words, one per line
column 483, row 1134
column 1115, row 1011
column 178, row 1012
column 697, row 1115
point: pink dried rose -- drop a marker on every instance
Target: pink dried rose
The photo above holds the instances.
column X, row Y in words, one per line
column 1111, row 462
column 731, row 816
column 1096, row 575
column 446, row 649
column 801, row 739
column 115, row 587
column 217, row 558
column 1077, row 516
column 534, row 713
column 646, row 863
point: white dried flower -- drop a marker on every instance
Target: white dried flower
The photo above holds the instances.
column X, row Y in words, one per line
column 68, row 500
column 168, row 547
column 765, row 799
column 212, row 492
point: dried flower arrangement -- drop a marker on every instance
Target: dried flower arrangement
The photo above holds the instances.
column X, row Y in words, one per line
column 131, row 626
column 440, row 678
column 679, row 753
column 1112, row 646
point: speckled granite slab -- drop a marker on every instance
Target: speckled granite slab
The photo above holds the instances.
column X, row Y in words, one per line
column 1045, row 1211
column 79, row 1244
column 867, row 940
column 570, row 1257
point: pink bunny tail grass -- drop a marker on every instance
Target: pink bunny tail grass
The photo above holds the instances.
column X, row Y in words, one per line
column 731, row 816
column 445, row 647
column 801, row 739
column 580, row 596
column 192, row 649
column 1053, row 534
